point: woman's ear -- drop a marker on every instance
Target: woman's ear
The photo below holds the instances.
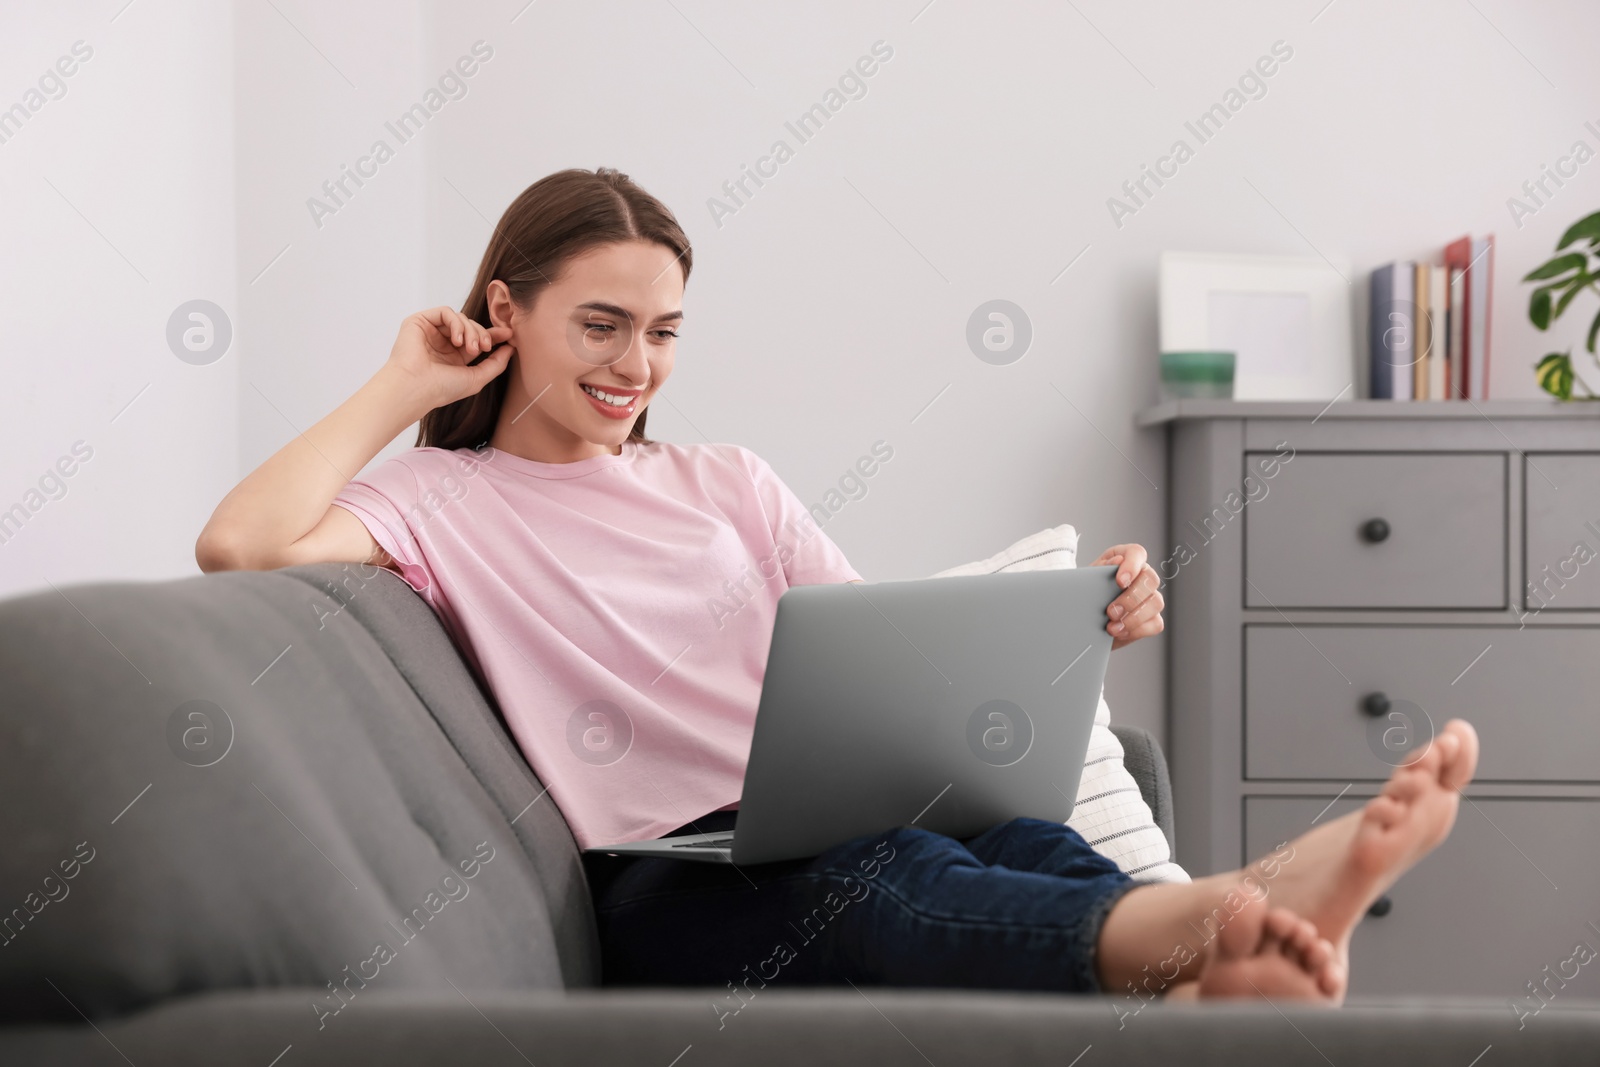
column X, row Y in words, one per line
column 501, row 306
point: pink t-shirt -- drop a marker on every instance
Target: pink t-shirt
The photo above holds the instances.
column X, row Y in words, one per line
column 620, row 609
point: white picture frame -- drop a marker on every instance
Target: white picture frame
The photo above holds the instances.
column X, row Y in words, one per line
column 1287, row 319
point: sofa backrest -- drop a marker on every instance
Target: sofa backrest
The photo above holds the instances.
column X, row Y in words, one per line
column 265, row 779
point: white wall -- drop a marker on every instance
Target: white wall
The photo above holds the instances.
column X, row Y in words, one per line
column 321, row 295
column 825, row 313
column 118, row 207
column 991, row 142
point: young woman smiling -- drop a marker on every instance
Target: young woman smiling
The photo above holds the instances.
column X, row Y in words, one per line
column 573, row 572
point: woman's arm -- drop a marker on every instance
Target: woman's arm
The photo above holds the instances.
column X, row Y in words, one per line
column 283, row 514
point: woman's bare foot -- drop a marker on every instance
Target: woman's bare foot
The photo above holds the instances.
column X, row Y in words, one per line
column 1338, row 870
column 1269, row 952
column 1159, row 939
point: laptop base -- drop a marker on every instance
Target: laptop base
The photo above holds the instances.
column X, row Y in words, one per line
column 715, row 847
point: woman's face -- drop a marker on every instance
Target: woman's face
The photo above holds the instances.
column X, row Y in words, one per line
column 591, row 352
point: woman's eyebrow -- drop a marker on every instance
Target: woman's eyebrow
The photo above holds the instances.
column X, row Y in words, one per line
column 612, row 309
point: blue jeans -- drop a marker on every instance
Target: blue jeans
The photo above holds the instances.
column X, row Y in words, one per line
column 1019, row 906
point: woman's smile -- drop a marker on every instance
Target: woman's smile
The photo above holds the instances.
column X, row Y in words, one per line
column 612, row 402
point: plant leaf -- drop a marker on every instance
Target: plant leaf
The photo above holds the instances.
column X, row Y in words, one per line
column 1539, row 308
column 1578, row 285
column 1594, row 331
column 1559, row 265
column 1554, row 374
column 1588, row 226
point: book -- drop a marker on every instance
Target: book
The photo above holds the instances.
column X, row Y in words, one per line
column 1480, row 276
column 1457, row 256
column 1391, row 331
column 1458, row 323
column 1475, row 258
column 1423, row 334
column 1439, row 330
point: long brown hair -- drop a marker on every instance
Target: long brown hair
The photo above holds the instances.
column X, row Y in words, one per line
column 556, row 218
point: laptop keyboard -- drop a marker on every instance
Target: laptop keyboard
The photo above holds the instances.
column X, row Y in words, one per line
column 714, row 842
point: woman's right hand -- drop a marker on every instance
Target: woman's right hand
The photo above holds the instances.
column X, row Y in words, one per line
column 435, row 348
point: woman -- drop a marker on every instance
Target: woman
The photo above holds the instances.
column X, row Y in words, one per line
column 612, row 593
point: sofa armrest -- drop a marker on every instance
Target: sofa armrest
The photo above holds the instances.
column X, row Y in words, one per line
column 1143, row 758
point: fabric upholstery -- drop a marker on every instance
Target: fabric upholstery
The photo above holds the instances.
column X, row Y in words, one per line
column 421, row 651
column 336, row 809
column 1147, row 764
column 218, row 901
column 799, row 1028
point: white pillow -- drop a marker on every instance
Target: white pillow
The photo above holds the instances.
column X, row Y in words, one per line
column 1110, row 812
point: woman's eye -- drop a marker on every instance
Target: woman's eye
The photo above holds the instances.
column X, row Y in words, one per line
column 599, row 326
column 663, row 334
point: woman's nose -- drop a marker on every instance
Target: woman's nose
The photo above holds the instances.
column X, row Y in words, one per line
column 634, row 363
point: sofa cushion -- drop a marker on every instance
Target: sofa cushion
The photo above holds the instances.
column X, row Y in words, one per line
column 225, row 782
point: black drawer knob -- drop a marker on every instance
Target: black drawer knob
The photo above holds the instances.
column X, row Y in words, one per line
column 1380, row 907
column 1375, row 531
column 1375, row 704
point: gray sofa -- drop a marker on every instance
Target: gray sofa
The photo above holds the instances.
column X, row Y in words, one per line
column 220, row 794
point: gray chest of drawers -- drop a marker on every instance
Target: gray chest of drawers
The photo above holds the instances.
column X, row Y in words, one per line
column 1339, row 579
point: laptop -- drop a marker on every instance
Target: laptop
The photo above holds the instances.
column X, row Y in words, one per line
column 951, row 704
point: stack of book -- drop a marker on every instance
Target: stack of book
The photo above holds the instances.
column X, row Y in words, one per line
column 1429, row 331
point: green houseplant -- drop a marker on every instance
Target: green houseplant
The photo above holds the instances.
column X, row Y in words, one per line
column 1566, row 275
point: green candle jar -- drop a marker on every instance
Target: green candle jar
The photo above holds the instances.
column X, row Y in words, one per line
column 1197, row 375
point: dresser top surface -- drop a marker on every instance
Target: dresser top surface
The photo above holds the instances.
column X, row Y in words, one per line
column 1189, row 410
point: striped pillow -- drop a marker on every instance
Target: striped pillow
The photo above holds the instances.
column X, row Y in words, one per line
column 1110, row 811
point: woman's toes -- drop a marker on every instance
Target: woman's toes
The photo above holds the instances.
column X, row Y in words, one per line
column 1282, row 924
column 1256, row 954
column 1384, row 810
column 1307, row 948
column 1430, row 758
column 1458, row 770
column 1409, row 784
column 1304, row 937
column 1318, row 954
column 1331, row 979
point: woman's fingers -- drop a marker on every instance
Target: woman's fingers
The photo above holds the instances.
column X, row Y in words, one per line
column 1142, row 620
column 455, row 331
column 485, row 338
column 1137, row 612
column 438, row 317
column 492, row 364
column 1144, row 583
column 1133, row 561
column 448, row 322
column 1142, row 593
column 1128, row 559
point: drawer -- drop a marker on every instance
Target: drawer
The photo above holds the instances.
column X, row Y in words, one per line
column 1487, row 942
column 1311, row 541
column 1561, row 561
column 1531, row 697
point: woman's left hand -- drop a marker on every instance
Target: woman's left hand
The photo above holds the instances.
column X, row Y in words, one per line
column 1137, row 612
